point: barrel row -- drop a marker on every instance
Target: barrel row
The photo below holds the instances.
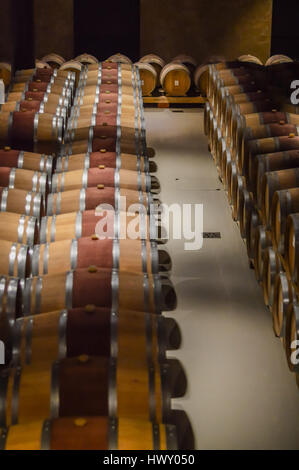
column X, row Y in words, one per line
column 125, row 363
column 254, row 141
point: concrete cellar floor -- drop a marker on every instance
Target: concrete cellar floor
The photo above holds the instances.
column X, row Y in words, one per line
column 240, row 393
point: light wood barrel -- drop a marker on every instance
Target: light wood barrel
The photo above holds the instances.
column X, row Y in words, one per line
column 39, row 132
column 127, row 255
column 275, row 181
column 43, row 338
column 5, row 72
column 92, row 222
column 291, row 251
column 284, row 295
column 18, row 228
column 19, row 201
column 120, row 58
column 92, row 177
column 26, row 160
column 186, row 60
column 16, row 178
column 261, row 164
column 40, row 64
column 86, row 59
column 109, row 159
column 268, row 130
column 91, row 198
column 10, row 307
column 201, row 78
column 271, row 267
column 94, row 378
column 14, row 259
column 90, row 433
column 34, row 105
column 74, row 289
column 261, row 243
column 292, row 337
column 278, row 59
column 284, row 202
column 175, row 79
column 250, row 58
column 148, row 78
column 250, row 236
column 54, row 60
column 155, row 61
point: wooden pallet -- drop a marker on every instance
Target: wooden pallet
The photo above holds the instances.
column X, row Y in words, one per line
column 168, row 101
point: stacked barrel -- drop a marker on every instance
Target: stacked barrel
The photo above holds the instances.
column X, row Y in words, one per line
column 253, row 134
column 84, row 324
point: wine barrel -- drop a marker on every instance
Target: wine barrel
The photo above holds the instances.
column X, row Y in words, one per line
column 261, row 164
column 73, row 66
column 39, row 132
column 89, row 433
column 92, row 177
column 18, row 228
column 175, row 79
column 10, row 306
column 44, row 97
column 278, row 59
column 268, row 130
column 148, row 78
column 94, row 285
column 284, row 295
column 245, row 209
column 16, row 178
column 5, row 72
column 292, row 337
column 120, row 58
column 54, row 60
column 22, row 202
column 26, row 160
column 275, row 181
column 89, row 223
column 34, row 105
column 254, row 222
column 258, row 119
column 94, row 378
column 291, row 247
column 40, row 64
column 231, row 174
column 86, row 59
column 284, row 202
column 238, row 186
column 186, row 60
column 271, row 267
column 126, row 255
column 91, row 198
column 108, row 159
column 201, row 78
column 43, row 338
column 155, row 61
column 250, row 58
column 261, row 243
column 14, row 259
column 42, row 87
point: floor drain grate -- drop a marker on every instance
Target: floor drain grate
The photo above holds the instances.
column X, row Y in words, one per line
column 211, row 235
column 177, row 110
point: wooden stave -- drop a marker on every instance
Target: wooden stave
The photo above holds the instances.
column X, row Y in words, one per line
column 19, row 228
column 55, row 398
column 121, row 434
column 149, row 292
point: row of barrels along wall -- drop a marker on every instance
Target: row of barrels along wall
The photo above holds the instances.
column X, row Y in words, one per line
column 180, row 76
column 81, row 316
column 253, row 131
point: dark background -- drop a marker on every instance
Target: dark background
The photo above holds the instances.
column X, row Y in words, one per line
column 106, row 27
column 285, row 28
column 102, row 31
